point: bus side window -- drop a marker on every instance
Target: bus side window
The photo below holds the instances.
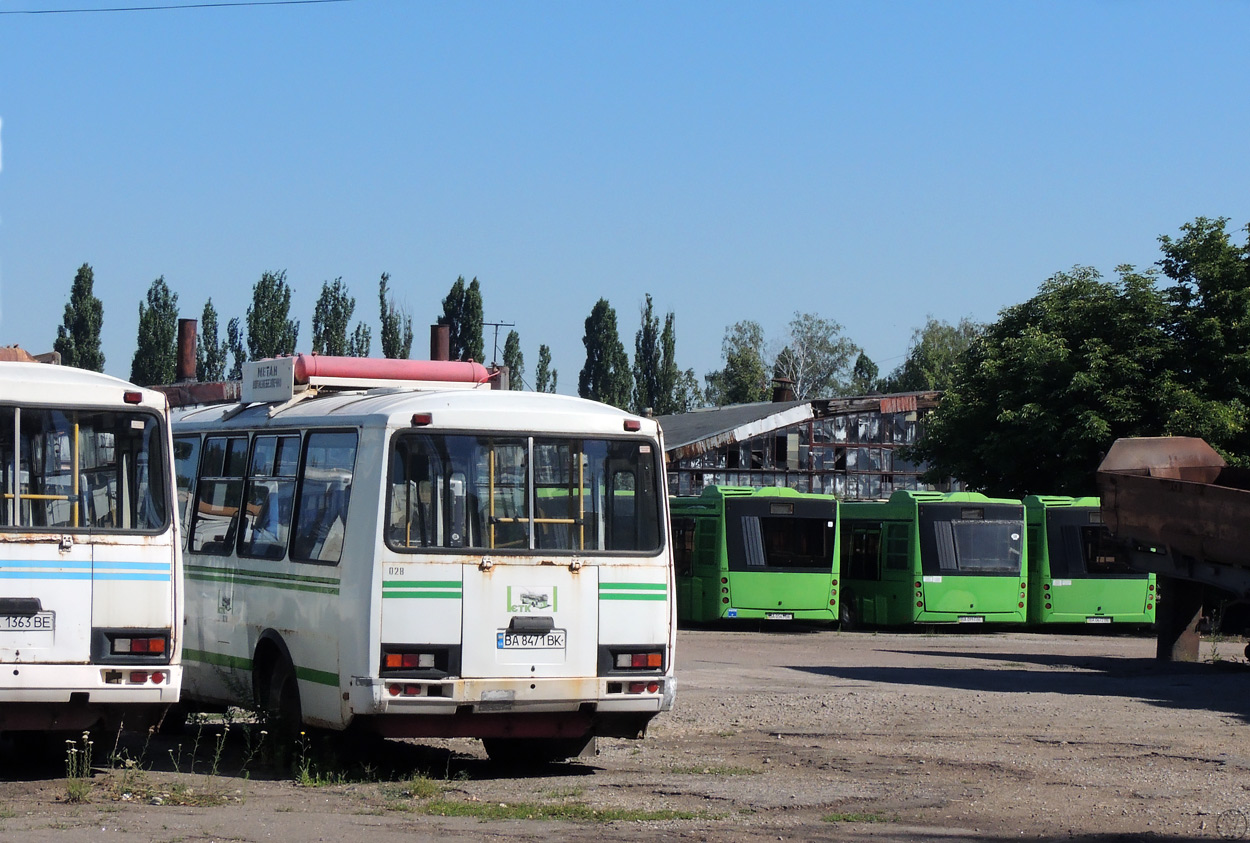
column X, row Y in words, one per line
column 219, row 494
column 270, row 497
column 325, row 491
column 186, row 463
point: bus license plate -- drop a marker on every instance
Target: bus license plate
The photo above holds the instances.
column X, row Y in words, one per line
column 1098, row 620
column 553, row 640
column 971, row 619
column 41, row 622
column 779, row 616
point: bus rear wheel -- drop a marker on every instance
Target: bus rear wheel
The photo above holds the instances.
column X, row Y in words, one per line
column 278, row 699
column 533, row 752
column 847, row 619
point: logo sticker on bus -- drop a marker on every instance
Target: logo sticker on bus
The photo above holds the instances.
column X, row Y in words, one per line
column 523, row 599
column 932, row 579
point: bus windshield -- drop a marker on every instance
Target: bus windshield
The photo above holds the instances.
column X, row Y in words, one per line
column 65, row 469
column 971, row 539
column 521, row 493
column 1079, row 546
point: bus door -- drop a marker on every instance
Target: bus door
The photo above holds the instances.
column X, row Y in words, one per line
column 898, row 577
column 532, row 604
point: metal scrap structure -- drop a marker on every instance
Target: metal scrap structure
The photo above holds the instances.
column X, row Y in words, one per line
column 850, row 447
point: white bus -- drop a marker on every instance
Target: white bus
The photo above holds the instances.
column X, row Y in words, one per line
column 395, row 547
column 90, row 563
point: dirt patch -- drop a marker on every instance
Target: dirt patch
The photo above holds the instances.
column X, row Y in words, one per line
column 778, row 734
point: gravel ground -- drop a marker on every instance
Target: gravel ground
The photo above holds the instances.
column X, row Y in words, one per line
column 778, row 734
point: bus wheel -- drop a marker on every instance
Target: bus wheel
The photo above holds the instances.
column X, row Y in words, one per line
column 533, row 752
column 847, row 619
column 279, row 703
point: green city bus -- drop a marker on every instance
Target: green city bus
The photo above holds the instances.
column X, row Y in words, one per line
column 1077, row 573
column 765, row 554
column 931, row 558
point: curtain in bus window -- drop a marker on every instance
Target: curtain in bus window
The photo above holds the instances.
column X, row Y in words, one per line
column 325, row 490
column 752, row 542
column 219, row 494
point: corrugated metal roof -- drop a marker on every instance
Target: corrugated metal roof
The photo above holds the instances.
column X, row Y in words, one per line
column 687, row 434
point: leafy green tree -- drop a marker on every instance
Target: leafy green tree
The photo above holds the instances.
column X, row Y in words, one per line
column 270, row 330
column 331, row 317
column 687, row 394
column 1039, row 397
column 462, row 314
column 817, row 358
column 545, row 377
column 864, row 376
column 78, row 336
column 514, row 360
column 396, row 336
column 932, row 356
column 606, row 376
column 156, row 355
column 210, row 353
column 744, row 379
column 234, row 342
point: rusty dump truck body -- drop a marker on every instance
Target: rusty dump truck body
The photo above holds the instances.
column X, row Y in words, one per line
column 1177, row 492
column 1188, row 514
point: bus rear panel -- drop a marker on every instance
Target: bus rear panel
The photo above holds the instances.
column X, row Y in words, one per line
column 90, row 574
column 1079, row 574
column 756, row 554
column 933, row 558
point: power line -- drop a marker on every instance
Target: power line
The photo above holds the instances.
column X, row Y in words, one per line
column 217, row 4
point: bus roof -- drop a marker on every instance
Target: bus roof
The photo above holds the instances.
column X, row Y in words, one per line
column 45, row 383
column 451, row 409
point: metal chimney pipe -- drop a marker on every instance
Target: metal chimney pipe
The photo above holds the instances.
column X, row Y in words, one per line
column 185, row 369
column 440, row 342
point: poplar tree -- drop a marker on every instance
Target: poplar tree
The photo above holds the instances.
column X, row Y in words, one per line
column 606, row 376
column 396, row 335
column 545, row 377
column 270, row 330
column 331, row 317
column 462, row 314
column 78, row 336
column 514, row 360
column 156, row 353
column 210, row 352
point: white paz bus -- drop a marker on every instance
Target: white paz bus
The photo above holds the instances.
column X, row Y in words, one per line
column 90, row 566
column 391, row 545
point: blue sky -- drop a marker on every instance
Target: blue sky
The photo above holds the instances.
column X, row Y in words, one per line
column 872, row 163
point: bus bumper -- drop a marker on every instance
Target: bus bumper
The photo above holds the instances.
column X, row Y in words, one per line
column 41, row 696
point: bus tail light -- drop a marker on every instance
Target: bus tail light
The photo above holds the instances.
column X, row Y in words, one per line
column 132, row 397
column 130, row 646
column 639, row 661
column 151, row 646
column 423, row 661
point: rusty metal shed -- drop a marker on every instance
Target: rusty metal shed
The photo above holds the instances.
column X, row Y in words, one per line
column 850, row 447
